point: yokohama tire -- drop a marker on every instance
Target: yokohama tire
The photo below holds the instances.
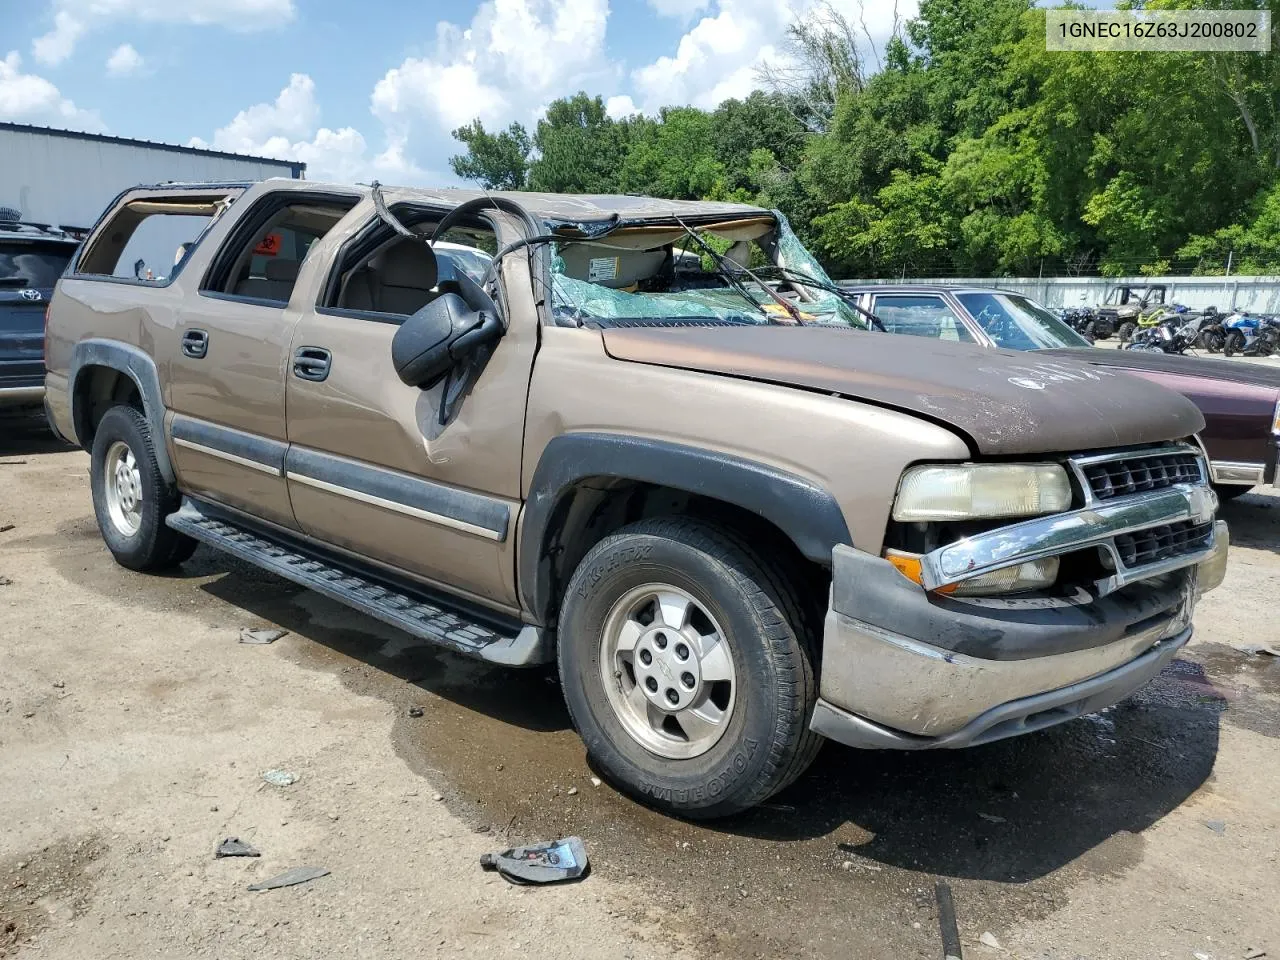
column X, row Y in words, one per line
column 765, row 742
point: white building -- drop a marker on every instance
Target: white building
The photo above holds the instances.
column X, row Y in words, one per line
column 66, row 178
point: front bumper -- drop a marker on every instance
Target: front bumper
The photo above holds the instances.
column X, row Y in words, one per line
column 907, row 669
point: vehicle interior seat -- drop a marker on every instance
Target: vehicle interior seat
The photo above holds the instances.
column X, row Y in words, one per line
column 281, row 275
column 400, row 279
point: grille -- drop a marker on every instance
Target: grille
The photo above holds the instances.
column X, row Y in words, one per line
column 1116, row 478
column 1161, row 543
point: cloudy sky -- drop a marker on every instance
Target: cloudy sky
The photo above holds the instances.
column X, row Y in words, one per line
column 365, row 88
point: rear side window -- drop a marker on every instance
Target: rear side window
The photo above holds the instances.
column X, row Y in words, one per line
column 263, row 255
column 30, row 263
column 148, row 240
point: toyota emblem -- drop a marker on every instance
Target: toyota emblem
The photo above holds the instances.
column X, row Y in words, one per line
column 30, row 294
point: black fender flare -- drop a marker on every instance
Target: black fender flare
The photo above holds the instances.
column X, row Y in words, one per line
column 804, row 511
column 138, row 366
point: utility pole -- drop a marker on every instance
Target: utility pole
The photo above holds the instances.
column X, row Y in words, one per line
column 1230, row 254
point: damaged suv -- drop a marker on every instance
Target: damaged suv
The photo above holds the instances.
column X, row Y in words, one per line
column 652, row 443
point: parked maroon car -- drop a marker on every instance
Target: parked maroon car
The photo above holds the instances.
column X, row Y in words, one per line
column 1240, row 401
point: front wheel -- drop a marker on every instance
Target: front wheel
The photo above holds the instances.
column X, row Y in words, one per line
column 1126, row 331
column 686, row 669
column 130, row 496
column 1233, row 343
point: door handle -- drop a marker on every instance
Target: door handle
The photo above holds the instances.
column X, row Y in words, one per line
column 311, row 363
column 195, row 344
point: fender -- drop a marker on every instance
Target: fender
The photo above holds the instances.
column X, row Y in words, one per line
column 138, row 367
column 805, row 512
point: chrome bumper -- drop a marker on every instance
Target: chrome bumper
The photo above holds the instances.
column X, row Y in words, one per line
column 1096, row 525
column 904, row 668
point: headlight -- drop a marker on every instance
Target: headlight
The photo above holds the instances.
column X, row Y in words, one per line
column 1032, row 575
column 975, row 491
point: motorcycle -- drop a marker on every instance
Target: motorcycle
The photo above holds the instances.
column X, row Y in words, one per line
column 1080, row 319
column 1210, row 335
column 1250, row 335
column 1171, row 336
column 1149, row 320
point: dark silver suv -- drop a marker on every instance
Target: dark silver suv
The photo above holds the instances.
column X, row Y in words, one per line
column 32, row 258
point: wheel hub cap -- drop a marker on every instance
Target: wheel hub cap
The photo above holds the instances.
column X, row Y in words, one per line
column 667, row 670
column 123, row 483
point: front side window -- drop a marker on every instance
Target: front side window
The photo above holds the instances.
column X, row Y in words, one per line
column 1017, row 323
column 387, row 277
column 921, row 315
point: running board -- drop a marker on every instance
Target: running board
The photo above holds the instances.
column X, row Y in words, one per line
column 432, row 620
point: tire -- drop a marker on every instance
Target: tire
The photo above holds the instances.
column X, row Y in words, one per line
column 1229, row 491
column 1233, row 343
column 1087, row 331
column 700, row 771
column 1126, row 331
column 132, row 501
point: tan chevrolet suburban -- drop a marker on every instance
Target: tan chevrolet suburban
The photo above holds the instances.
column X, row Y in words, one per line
column 651, row 442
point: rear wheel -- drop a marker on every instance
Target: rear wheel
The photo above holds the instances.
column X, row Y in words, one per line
column 685, row 668
column 1233, row 343
column 130, row 496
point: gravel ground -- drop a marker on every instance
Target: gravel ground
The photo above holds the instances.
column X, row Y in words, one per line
column 134, row 731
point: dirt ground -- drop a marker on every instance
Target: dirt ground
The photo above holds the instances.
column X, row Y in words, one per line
column 134, row 730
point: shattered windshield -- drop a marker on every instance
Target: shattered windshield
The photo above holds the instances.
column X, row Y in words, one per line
column 1017, row 323
column 756, row 271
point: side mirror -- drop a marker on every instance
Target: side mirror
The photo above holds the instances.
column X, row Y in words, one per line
column 439, row 337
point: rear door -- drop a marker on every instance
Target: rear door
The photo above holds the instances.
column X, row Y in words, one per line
column 30, row 265
column 226, row 354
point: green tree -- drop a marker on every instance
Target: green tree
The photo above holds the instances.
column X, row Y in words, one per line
column 498, row 161
column 579, row 148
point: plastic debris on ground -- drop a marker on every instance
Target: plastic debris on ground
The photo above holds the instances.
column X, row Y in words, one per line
column 988, row 939
column 1217, row 826
column 291, row 878
column 554, row 862
column 234, row 847
column 280, row 778
column 261, row 636
column 947, row 927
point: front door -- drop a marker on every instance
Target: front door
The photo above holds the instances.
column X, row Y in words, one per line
column 227, row 361
column 371, row 468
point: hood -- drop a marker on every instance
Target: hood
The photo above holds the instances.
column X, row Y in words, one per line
column 1004, row 403
column 1254, row 374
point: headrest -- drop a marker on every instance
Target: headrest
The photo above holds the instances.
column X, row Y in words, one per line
column 409, row 263
column 282, row 270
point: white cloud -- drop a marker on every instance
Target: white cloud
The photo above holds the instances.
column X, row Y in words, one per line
column 679, row 9
column 73, row 17
column 286, row 129
column 27, row 98
column 720, row 56
column 619, row 107
column 124, row 61
column 56, row 45
column 513, row 57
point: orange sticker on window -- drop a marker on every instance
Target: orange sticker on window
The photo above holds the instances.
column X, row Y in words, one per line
column 269, row 246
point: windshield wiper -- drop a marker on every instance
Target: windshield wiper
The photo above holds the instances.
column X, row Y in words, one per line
column 729, row 275
column 849, row 299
